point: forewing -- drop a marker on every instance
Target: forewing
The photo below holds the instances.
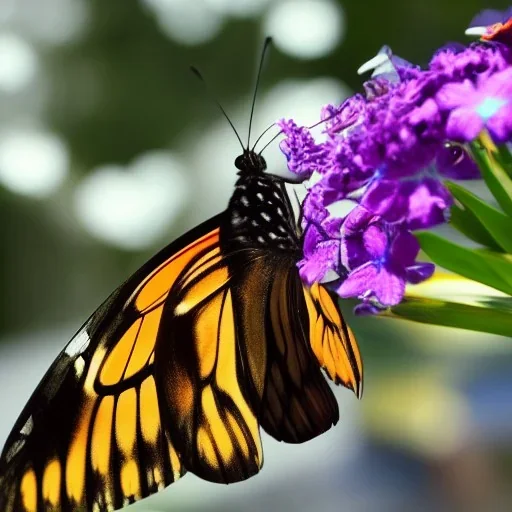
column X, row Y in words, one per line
column 92, row 437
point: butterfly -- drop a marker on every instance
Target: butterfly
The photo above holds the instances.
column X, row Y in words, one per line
column 212, row 339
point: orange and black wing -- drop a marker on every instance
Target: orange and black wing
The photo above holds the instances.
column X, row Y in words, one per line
column 305, row 332
column 92, row 436
column 332, row 341
column 212, row 364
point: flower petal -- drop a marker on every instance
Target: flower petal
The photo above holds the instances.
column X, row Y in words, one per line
column 375, row 241
column 359, row 282
column 500, row 125
column 388, row 287
column 380, row 196
column 356, row 221
column 464, row 124
column 403, row 251
column 420, row 272
column 428, row 203
column 324, row 258
column 454, row 95
column 303, row 154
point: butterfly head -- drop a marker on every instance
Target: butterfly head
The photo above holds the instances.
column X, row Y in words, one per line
column 250, row 162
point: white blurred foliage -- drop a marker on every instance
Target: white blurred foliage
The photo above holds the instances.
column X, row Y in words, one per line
column 132, row 207
column 7, row 10
column 185, row 21
column 305, row 29
column 32, row 163
column 239, row 8
column 52, row 22
column 18, row 63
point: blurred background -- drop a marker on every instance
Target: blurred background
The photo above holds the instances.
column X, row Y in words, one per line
column 110, row 148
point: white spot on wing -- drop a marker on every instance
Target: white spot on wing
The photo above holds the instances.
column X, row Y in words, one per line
column 27, row 428
column 14, row 449
column 79, row 366
column 78, row 344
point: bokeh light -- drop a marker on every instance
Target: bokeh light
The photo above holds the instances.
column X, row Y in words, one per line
column 239, row 8
column 51, row 22
column 18, row 63
column 32, row 163
column 184, row 21
column 132, row 207
column 306, row 29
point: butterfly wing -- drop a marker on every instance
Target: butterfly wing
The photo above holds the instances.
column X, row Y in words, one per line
column 305, row 331
column 92, row 435
column 332, row 341
column 213, row 364
column 212, row 338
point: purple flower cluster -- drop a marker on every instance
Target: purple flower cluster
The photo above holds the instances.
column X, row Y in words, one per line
column 387, row 152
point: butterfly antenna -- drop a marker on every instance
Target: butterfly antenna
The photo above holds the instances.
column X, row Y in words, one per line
column 270, row 141
column 212, row 97
column 328, row 118
column 261, row 136
column 266, row 44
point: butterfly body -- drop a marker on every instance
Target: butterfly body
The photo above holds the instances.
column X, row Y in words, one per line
column 260, row 213
column 213, row 338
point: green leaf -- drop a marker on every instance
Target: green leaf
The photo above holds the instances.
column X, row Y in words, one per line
column 482, row 265
column 495, row 223
column 497, row 179
column 469, row 225
column 452, row 314
column 504, row 158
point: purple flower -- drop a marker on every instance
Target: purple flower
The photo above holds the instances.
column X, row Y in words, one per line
column 380, row 258
column 348, row 115
column 471, row 108
column 321, row 257
column 303, row 154
column 418, row 203
column 451, row 65
column 321, row 243
column 387, row 151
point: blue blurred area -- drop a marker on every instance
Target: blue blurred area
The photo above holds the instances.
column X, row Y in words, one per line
column 110, row 148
